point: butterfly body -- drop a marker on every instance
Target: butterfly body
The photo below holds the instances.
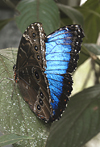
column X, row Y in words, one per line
column 44, row 67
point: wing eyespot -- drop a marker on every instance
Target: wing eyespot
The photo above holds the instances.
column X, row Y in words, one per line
column 38, row 57
column 38, row 107
column 34, row 35
column 41, row 94
column 36, row 75
column 36, row 48
column 41, row 102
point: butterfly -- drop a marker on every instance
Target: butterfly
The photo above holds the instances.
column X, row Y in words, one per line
column 44, row 68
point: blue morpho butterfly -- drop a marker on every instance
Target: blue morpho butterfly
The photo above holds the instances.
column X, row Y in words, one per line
column 44, row 67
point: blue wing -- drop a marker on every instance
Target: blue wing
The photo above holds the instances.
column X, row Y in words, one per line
column 62, row 47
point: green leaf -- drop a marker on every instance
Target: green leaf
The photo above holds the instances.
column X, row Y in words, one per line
column 4, row 22
column 80, row 122
column 44, row 11
column 89, row 50
column 11, row 139
column 91, row 13
column 11, row 4
column 65, row 21
column 74, row 14
column 84, row 55
column 15, row 114
column 93, row 48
